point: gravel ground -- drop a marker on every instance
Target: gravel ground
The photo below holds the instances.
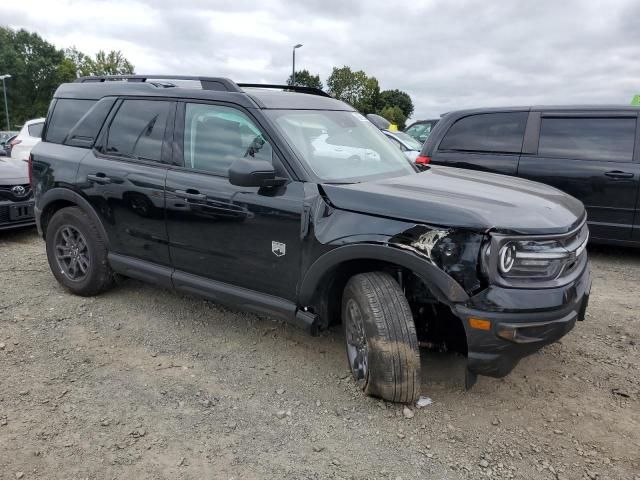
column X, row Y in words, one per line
column 147, row 383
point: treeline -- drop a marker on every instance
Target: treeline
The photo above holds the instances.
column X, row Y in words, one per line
column 37, row 68
column 362, row 92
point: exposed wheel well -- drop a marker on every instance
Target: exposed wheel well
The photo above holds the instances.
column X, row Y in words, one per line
column 50, row 210
column 436, row 325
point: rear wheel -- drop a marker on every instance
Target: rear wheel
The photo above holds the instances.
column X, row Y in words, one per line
column 382, row 345
column 77, row 253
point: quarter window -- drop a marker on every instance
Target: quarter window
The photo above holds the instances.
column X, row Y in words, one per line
column 487, row 132
column 588, row 138
column 65, row 115
column 137, row 130
column 215, row 136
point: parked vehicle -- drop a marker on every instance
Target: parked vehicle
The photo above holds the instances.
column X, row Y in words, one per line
column 407, row 145
column 29, row 136
column 5, row 139
column 239, row 207
column 420, row 130
column 592, row 153
column 16, row 200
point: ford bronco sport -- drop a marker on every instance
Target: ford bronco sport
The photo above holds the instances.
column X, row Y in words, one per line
column 287, row 202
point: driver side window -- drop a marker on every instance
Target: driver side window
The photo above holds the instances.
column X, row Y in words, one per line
column 215, row 136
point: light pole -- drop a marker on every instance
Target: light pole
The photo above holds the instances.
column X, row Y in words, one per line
column 6, row 105
column 293, row 73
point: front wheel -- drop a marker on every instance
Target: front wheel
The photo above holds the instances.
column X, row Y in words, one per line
column 382, row 345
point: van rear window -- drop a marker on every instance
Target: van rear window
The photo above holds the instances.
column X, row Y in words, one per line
column 66, row 114
column 487, row 132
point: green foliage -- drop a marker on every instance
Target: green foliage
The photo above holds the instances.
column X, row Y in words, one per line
column 355, row 88
column 37, row 68
column 112, row 63
column 395, row 115
column 397, row 98
column 305, row 79
column 363, row 93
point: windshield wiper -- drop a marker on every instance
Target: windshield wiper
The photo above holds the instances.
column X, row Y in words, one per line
column 340, row 183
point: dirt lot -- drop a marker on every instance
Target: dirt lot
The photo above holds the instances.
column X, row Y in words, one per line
column 146, row 383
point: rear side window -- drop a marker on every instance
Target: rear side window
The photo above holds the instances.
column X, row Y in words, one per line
column 66, row 114
column 487, row 132
column 35, row 129
column 588, row 138
column 85, row 132
column 137, row 130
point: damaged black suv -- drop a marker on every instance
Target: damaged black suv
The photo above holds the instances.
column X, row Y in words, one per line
column 287, row 202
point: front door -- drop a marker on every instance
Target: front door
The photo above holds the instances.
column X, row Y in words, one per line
column 243, row 236
column 591, row 157
column 124, row 178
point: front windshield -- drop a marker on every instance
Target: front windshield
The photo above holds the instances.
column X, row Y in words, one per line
column 411, row 142
column 340, row 146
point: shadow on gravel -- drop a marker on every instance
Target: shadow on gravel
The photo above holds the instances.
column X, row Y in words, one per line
column 614, row 252
column 18, row 235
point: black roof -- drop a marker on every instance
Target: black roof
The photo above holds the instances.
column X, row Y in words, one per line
column 548, row 108
column 265, row 96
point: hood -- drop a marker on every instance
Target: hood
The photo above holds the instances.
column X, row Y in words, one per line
column 454, row 197
column 13, row 171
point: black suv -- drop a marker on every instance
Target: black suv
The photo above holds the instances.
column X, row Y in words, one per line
column 287, row 202
column 592, row 153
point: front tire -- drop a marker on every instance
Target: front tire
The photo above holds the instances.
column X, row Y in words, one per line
column 382, row 345
column 77, row 253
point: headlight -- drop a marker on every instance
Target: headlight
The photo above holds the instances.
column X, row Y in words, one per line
column 507, row 257
column 533, row 259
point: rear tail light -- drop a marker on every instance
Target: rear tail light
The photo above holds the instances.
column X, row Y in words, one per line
column 30, row 168
column 14, row 142
column 422, row 160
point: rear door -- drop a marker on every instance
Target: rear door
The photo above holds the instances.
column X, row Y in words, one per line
column 589, row 155
column 490, row 142
column 123, row 177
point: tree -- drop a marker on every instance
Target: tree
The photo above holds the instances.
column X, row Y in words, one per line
column 397, row 98
column 112, row 63
column 36, row 68
column 355, row 88
column 395, row 115
column 305, row 79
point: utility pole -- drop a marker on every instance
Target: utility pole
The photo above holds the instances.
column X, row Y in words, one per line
column 293, row 72
column 6, row 105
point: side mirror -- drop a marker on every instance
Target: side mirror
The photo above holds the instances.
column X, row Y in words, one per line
column 249, row 172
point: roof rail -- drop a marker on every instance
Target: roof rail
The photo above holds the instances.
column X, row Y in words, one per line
column 207, row 83
column 296, row 88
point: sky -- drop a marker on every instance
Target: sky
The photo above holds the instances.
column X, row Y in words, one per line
column 446, row 54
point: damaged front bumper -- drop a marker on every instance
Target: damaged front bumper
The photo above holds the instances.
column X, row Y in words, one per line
column 504, row 325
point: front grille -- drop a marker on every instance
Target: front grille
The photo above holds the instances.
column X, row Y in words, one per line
column 575, row 243
column 6, row 193
column 4, row 214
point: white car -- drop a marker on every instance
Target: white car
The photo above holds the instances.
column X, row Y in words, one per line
column 28, row 137
column 407, row 144
column 323, row 147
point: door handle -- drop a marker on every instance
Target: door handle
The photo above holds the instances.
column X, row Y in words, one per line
column 100, row 178
column 190, row 195
column 618, row 174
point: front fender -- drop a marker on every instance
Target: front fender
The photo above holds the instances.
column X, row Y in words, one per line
column 444, row 287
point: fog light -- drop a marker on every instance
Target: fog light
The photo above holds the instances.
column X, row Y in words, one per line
column 508, row 334
column 479, row 323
